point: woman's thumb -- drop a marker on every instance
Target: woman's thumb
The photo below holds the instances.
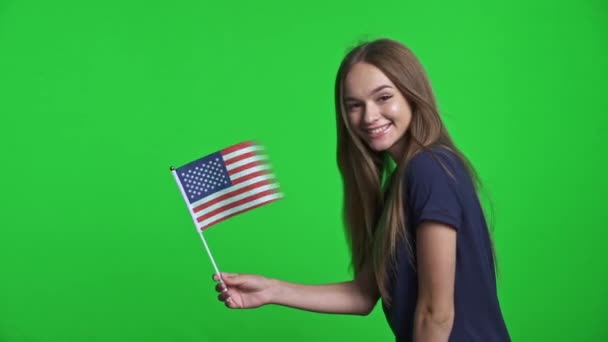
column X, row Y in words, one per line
column 232, row 278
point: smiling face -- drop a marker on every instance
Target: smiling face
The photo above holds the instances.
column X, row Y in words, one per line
column 376, row 110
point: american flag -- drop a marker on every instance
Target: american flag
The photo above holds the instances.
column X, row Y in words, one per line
column 228, row 182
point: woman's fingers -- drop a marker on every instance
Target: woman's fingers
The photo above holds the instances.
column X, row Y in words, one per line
column 223, row 276
column 228, row 280
column 221, row 287
column 235, row 279
column 224, row 296
column 228, row 301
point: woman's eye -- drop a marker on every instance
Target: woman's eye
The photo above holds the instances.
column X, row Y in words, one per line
column 385, row 98
column 353, row 106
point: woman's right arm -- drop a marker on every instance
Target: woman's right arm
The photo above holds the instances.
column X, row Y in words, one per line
column 355, row 297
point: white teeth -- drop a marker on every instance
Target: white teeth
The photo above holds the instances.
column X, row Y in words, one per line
column 379, row 129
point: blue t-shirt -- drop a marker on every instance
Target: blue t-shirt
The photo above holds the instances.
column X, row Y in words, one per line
column 432, row 194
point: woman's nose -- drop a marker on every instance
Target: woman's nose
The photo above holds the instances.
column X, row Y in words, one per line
column 371, row 114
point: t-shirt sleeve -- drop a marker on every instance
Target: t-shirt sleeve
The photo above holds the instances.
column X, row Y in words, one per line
column 431, row 191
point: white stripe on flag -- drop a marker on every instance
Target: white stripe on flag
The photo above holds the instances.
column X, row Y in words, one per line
column 250, row 171
column 245, row 161
column 241, row 207
column 230, row 189
column 243, row 151
column 237, row 198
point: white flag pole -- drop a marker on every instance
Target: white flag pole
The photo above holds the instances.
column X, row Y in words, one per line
column 181, row 189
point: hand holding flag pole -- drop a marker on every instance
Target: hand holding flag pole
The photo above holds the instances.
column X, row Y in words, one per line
column 226, row 183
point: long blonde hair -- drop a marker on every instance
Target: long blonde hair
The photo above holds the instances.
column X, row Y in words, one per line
column 375, row 226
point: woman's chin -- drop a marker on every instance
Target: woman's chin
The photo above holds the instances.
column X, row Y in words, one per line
column 380, row 144
column 378, row 147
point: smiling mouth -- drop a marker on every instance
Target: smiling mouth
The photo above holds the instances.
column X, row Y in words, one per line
column 378, row 132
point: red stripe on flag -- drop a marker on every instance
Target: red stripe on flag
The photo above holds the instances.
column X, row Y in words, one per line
column 243, row 167
column 236, row 147
column 235, row 204
column 239, row 212
column 239, row 158
column 230, row 194
column 249, row 176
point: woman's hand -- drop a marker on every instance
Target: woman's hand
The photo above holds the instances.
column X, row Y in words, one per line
column 243, row 291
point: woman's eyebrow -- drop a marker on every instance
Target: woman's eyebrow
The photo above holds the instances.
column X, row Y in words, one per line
column 377, row 89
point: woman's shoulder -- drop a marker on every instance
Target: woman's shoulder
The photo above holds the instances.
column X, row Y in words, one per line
column 437, row 167
column 434, row 159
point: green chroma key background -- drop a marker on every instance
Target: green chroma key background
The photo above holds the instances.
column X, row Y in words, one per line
column 98, row 99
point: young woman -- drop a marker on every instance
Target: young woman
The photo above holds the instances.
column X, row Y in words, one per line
column 417, row 232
